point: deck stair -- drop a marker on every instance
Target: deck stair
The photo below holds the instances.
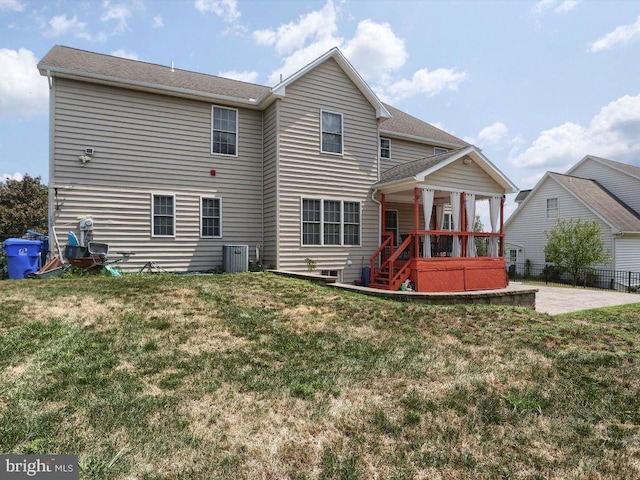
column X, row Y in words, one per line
column 394, row 264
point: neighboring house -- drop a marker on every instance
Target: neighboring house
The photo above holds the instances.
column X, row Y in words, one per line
column 596, row 189
column 172, row 165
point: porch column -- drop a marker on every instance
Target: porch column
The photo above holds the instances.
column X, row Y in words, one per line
column 416, row 220
column 494, row 212
column 383, row 217
column 501, row 250
column 427, row 207
column 455, row 220
column 470, row 210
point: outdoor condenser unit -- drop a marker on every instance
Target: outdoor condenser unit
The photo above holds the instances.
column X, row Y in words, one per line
column 235, row 258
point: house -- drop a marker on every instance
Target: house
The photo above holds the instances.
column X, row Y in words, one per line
column 173, row 165
column 597, row 189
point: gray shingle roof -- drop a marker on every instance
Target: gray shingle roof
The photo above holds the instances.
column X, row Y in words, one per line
column 607, row 205
column 522, row 194
column 83, row 62
column 403, row 123
column 410, row 169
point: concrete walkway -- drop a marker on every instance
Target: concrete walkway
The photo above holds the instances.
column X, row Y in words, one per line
column 555, row 300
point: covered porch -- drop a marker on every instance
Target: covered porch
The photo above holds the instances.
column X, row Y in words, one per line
column 429, row 230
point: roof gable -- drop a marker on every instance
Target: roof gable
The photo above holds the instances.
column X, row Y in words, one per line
column 335, row 53
column 419, row 170
column 602, row 203
column 625, row 168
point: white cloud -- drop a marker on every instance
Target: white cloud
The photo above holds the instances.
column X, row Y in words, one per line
column 23, row 92
column 7, row 176
column 158, row 22
column 250, row 77
column 123, row 53
column 319, row 25
column 375, row 50
column 11, row 6
column 227, row 9
column 563, row 7
column 494, row 133
column 614, row 131
column 61, row 25
column 426, row 82
column 622, row 35
column 119, row 13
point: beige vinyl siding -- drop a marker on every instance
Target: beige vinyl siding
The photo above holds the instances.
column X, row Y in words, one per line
column 459, row 176
column 627, row 250
column 403, row 151
column 622, row 185
column 147, row 143
column 306, row 173
column 270, row 257
column 528, row 228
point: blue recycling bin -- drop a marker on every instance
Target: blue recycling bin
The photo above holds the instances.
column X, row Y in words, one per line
column 22, row 257
column 366, row 275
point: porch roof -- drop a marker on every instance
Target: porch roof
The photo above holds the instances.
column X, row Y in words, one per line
column 419, row 170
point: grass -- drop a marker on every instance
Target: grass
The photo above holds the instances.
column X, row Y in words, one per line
column 258, row 376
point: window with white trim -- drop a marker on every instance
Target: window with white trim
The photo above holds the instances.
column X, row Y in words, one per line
column 224, row 131
column 385, row 148
column 163, row 215
column 447, row 221
column 210, row 217
column 439, row 150
column 331, row 129
column 512, row 255
column 552, row 207
column 330, row 222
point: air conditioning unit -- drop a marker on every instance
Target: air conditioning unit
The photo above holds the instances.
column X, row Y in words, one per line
column 235, row 258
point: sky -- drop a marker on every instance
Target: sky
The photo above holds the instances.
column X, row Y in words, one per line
column 537, row 85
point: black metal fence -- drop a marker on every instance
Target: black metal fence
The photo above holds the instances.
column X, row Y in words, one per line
column 550, row 274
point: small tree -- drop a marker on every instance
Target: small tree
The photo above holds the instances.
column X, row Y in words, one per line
column 23, row 206
column 575, row 245
column 481, row 242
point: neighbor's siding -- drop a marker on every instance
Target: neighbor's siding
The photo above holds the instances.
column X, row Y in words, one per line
column 147, row 143
column 529, row 226
column 305, row 172
column 622, row 185
column 271, row 191
column 627, row 256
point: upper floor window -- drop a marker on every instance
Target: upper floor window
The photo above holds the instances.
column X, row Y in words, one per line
column 385, row 148
column 331, row 127
column 163, row 215
column 224, row 131
column 552, row 207
column 210, row 217
column 330, row 222
column 439, row 150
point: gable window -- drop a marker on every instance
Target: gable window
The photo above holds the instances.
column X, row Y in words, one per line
column 331, row 127
column 330, row 222
column 385, row 148
column 224, row 131
column 552, row 207
column 438, row 150
column 210, row 217
column 163, row 218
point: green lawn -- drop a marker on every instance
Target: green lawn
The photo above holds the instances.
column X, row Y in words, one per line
column 259, row 376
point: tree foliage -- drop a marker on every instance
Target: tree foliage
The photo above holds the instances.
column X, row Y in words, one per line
column 575, row 244
column 23, row 206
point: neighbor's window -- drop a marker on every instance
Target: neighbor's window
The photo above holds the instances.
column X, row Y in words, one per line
column 513, row 255
column 385, row 148
column 211, row 217
column 330, row 222
column 438, row 150
column 163, row 215
column 224, row 131
column 331, row 127
column 552, row 207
